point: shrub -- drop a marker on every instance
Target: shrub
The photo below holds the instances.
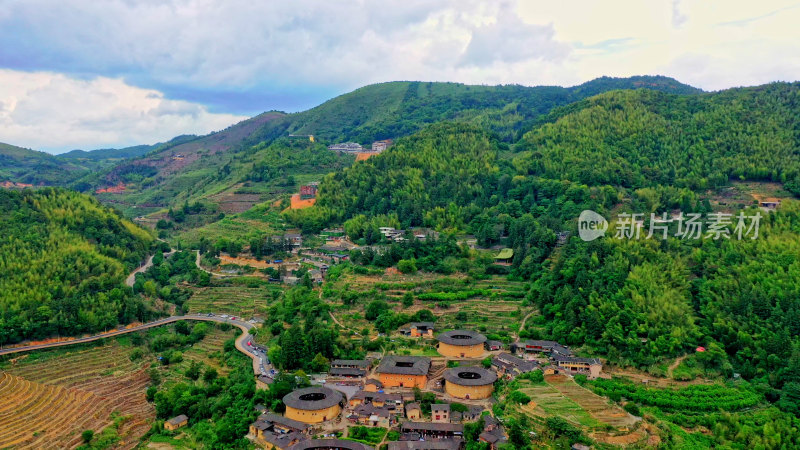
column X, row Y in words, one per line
column 632, row 408
column 519, row 397
column 87, row 436
column 407, row 265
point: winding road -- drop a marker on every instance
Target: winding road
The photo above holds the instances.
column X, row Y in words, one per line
column 141, row 269
column 242, row 342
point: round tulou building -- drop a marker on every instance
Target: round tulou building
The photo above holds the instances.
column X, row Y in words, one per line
column 461, row 344
column 313, row 404
column 469, row 382
column 329, row 444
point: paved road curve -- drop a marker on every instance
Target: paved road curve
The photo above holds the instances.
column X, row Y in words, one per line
column 141, row 269
column 242, row 342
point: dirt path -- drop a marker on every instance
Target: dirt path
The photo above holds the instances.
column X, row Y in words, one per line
column 335, row 319
column 524, row 319
column 675, row 365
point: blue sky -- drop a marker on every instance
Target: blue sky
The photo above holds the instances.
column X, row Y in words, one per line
column 87, row 74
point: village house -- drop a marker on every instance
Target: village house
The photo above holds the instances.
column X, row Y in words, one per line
column 379, row 399
column 492, row 345
column 472, row 414
column 373, row 385
column 263, row 436
column 404, row 371
column 346, row 372
column 493, row 433
column 442, row 444
column 509, row 366
column 770, row 203
column 379, row 146
column 275, row 423
column 373, row 416
column 573, row 364
column 361, row 364
column 428, row 430
column 542, row 347
column 421, row 329
column 294, row 239
column 413, row 411
column 440, row 413
column 309, row 191
column 176, row 422
column 346, row 147
column 316, row 276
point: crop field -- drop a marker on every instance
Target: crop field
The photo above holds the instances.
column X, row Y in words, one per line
column 49, row 405
column 238, row 300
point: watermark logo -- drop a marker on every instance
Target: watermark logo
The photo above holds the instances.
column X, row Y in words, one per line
column 591, row 225
column 682, row 226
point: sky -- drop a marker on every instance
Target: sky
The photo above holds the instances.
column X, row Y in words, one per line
column 88, row 74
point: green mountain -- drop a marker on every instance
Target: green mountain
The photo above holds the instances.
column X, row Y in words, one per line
column 219, row 165
column 21, row 165
column 621, row 139
column 645, row 138
column 65, row 260
column 395, row 109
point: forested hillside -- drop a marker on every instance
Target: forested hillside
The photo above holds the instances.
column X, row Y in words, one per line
column 21, row 165
column 63, row 259
column 635, row 302
column 645, row 138
column 395, row 109
column 678, row 145
column 199, row 169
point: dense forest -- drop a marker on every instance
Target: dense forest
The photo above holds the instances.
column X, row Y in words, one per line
column 401, row 108
column 647, row 138
column 64, row 258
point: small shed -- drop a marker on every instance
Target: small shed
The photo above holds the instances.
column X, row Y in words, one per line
column 176, row 422
column 505, row 256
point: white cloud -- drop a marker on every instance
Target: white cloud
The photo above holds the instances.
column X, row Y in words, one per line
column 53, row 112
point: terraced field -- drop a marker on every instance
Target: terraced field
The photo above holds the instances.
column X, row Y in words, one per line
column 50, row 403
column 241, row 300
column 494, row 303
column 548, row 401
column 209, row 350
column 561, row 396
column 599, row 407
